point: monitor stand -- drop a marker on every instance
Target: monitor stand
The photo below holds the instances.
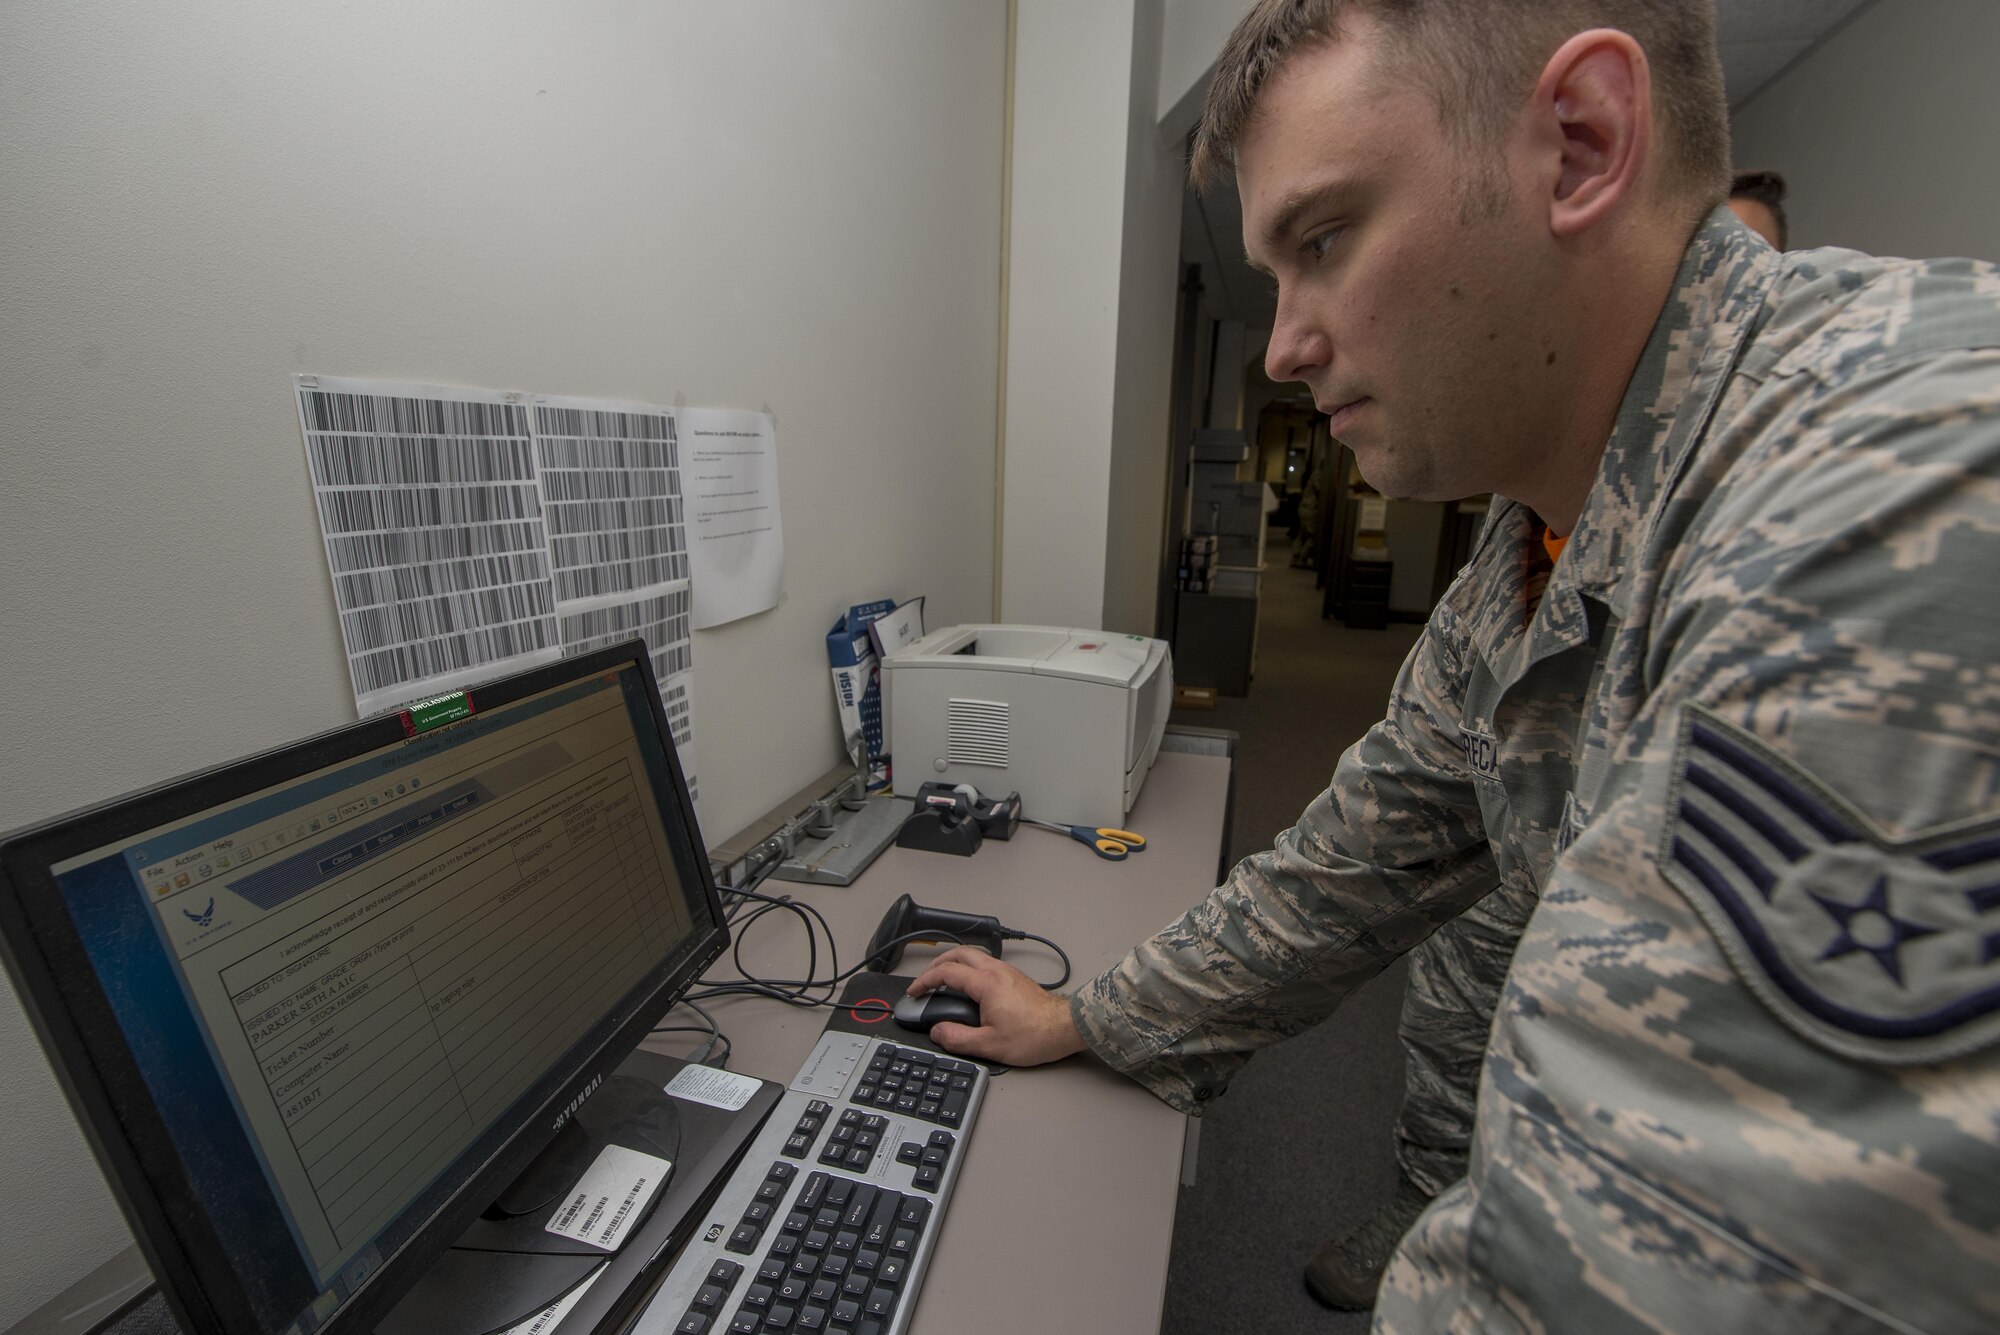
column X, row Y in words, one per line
column 507, row 1266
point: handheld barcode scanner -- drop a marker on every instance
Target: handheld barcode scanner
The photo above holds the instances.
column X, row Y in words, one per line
column 909, row 920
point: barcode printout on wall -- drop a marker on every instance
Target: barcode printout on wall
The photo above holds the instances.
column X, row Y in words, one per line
column 435, row 535
column 611, row 484
column 471, row 533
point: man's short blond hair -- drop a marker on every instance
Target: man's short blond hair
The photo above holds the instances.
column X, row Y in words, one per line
column 1479, row 59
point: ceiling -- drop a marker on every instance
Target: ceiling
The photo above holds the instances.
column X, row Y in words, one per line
column 1760, row 39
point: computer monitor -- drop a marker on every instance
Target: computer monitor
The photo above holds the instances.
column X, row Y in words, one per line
column 317, row 1008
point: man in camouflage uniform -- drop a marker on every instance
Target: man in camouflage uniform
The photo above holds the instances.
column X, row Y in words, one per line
column 1454, row 988
column 1739, row 741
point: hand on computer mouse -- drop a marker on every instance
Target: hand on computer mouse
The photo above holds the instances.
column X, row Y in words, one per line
column 1019, row 1023
column 921, row 1014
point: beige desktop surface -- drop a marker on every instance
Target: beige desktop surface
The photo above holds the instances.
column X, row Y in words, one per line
column 1063, row 1215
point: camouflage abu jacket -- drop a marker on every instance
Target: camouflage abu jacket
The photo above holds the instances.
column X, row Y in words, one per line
column 1745, row 738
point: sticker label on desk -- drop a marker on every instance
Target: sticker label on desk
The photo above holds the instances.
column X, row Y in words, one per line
column 718, row 1089
column 610, row 1197
column 552, row 1316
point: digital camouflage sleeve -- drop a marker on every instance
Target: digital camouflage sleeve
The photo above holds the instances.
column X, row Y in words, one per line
column 1744, row 1074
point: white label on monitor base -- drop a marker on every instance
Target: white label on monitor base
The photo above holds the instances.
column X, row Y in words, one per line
column 546, row 1320
column 603, row 1204
column 718, row 1089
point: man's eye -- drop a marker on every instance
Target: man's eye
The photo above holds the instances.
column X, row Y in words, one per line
column 1319, row 243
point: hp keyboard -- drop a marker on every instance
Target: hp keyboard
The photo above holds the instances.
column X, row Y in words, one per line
column 829, row 1221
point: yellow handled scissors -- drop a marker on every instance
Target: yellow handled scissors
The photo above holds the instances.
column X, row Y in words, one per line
column 1112, row 845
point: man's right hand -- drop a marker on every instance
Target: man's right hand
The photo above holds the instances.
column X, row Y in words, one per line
column 1019, row 1023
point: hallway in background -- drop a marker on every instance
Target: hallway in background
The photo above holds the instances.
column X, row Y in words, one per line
column 1298, row 1149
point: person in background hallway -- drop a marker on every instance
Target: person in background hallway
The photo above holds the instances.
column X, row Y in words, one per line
column 1710, row 722
column 1758, row 198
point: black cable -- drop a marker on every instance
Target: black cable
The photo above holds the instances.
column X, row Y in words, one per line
column 1013, row 935
column 777, row 988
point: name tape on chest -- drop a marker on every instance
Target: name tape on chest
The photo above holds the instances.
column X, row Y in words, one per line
column 1482, row 751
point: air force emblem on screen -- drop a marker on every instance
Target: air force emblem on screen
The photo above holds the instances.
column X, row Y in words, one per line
column 203, row 918
column 1885, row 949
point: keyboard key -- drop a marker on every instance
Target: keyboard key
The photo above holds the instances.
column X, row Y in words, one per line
column 874, row 1122
column 856, row 1284
column 926, row 1179
column 934, row 1156
column 748, row 1321
column 902, row 1243
column 810, row 1319
column 839, row 1189
column 845, row 1311
column 943, row 1140
column 858, row 1206
column 757, row 1212
column 772, row 1270
column 849, row 1117
column 797, row 1146
column 890, row 1271
column 881, row 1302
column 709, row 1297
column 909, row 1152
column 805, row 1265
column 724, row 1273
column 743, row 1240
column 792, row 1290
column 779, row 1318
column 816, row 1240
column 833, row 1266
column 785, row 1245
column 694, row 1323
column 782, row 1172
column 866, row 1260
column 815, row 1188
column 914, row 1212
column 796, row 1221
column 771, row 1192
column 759, row 1296
column 858, row 1160
column 819, row 1108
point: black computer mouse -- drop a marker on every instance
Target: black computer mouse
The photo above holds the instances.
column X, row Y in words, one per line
column 920, row 1013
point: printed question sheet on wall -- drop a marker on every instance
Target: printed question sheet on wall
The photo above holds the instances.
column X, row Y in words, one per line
column 736, row 540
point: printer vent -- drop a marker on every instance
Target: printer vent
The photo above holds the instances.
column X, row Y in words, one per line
column 976, row 733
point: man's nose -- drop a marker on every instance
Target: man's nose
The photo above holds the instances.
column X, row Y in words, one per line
column 1298, row 346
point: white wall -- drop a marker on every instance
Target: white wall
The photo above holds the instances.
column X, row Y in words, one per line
column 1072, row 72
column 1886, row 133
column 1142, row 392
column 788, row 204
column 1091, row 288
column 1191, row 38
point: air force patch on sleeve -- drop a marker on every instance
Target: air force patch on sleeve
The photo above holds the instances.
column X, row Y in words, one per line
column 1886, row 949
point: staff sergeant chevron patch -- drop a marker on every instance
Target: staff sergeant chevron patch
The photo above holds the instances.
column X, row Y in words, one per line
column 1885, row 949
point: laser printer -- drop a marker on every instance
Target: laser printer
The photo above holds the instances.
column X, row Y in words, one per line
column 1070, row 719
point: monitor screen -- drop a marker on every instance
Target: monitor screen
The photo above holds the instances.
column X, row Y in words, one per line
column 315, row 1008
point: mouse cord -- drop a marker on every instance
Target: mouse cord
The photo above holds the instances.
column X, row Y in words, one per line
column 1013, row 934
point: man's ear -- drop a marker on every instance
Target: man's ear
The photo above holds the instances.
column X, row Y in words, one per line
column 1593, row 106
